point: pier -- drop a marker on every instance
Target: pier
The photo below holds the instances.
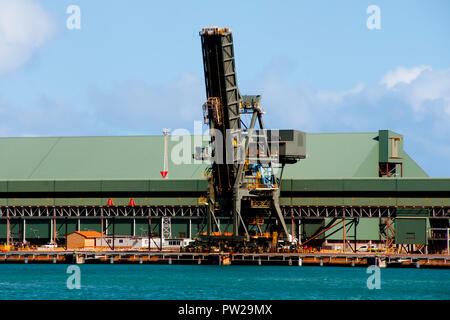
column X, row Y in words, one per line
column 260, row 259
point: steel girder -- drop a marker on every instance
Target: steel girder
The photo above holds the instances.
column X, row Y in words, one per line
column 200, row 211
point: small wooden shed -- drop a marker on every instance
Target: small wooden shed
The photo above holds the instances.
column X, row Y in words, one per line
column 82, row 239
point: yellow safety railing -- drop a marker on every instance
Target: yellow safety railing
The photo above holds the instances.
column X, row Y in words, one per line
column 260, row 185
column 260, row 203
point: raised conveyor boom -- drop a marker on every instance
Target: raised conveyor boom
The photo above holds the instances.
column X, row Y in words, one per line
column 224, row 99
column 220, row 73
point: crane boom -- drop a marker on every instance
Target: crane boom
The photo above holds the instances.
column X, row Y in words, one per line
column 243, row 185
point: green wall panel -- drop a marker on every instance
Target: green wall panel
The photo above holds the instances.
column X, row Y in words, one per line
column 122, row 227
column 410, row 230
column 173, row 185
column 317, row 185
column 286, row 185
column 285, row 201
column 195, row 227
column 125, row 185
column 38, row 228
column 78, row 186
column 409, row 212
column 202, row 185
column 370, row 185
column 310, row 226
column 83, row 201
column 88, row 224
column 31, row 202
column 31, row 186
column 180, row 226
column 142, row 226
column 366, row 229
column 61, row 227
column 317, row 201
column 15, row 228
column 429, row 184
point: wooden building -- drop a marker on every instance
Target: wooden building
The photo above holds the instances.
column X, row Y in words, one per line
column 82, row 239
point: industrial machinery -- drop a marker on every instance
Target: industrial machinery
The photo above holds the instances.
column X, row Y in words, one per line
column 246, row 163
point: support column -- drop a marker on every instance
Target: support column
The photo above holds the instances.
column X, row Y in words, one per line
column 8, row 229
column 344, row 236
column 101, row 223
column 301, row 230
column 161, row 234
column 211, row 207
column 236, row 215
column 448, row 241
column 149, row 227
column 55, row 231
column 209, row 223
column 24, row 231
column 51, row 231
column 190, row 228
column 292, row 228
column 114, row 232
column 276, row 204
column 67, row 220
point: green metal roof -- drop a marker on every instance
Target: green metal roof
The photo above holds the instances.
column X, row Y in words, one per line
column 330, row 155
column 345, row 155
column 75, row 158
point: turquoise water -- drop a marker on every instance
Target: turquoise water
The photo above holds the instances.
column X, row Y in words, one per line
column 169, row 282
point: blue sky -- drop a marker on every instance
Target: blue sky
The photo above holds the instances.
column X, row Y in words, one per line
column 135, row 67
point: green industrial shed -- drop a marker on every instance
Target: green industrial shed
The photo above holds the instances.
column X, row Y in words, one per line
column 51, row 186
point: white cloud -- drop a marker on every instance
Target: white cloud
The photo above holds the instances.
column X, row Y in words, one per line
column 402, row 75
column 429, row 87
column 417, row 106
column 24, row 27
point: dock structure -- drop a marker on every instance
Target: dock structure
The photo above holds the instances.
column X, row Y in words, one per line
column 261, row 259
column 348, row 189
column 54, row 202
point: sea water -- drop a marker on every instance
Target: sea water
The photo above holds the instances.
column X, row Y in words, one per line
column 173, row 282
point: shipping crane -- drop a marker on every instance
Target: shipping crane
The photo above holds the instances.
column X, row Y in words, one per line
column 246, row 163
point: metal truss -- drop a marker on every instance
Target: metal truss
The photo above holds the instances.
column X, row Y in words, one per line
column 200, row 211
column 119, row 211
column 354, row 212
column 167, row 227
column 338, row 212
column 440, row 212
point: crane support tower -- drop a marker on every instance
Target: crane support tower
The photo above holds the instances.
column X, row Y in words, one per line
column 247, row 163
